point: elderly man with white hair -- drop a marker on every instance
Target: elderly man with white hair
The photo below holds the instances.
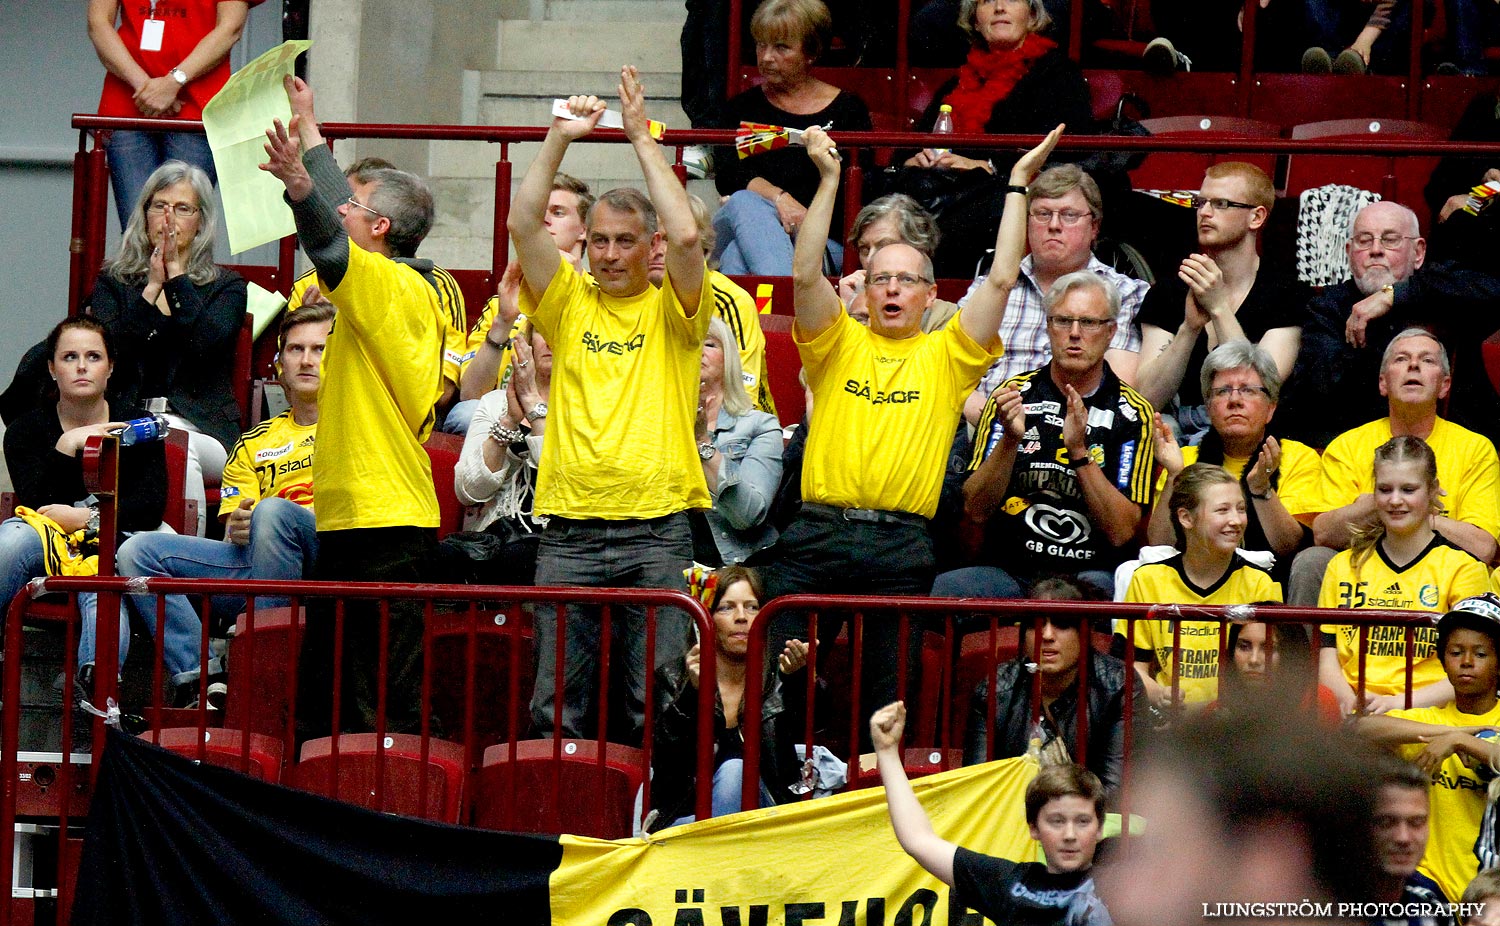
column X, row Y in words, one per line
column 1392, row 287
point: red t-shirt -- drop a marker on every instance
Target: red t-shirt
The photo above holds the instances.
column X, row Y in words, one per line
column 186, row 23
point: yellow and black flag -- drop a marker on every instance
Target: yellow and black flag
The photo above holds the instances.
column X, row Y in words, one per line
column 174, row 842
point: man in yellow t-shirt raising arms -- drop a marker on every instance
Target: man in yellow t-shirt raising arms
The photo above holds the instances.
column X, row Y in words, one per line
column 619, row 470
column 886, row 405
column 377, row 511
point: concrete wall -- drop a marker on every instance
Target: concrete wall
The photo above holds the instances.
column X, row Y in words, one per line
column 49, row 70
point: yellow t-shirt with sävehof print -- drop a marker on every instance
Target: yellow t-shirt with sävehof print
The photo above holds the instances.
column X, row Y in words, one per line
column 625, row 375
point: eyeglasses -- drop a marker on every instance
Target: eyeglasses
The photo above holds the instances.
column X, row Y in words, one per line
column 183, row 210
column 1244, row 392
column 1390, row 241
column 903, row 280
column 1066, row 323
column 354, row 202
column 1065, row 216
column 1218, row 202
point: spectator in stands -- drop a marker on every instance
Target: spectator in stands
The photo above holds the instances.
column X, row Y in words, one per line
column 1065, row 210
column 741, row 453
column 1205, row 35
column 267, row 509
column 1379, row 44
column 887, row 401
column 1398, row 562
column 734, row 604
column 1015, row 81
column 163, row 67
column 1242, row 385
column 1042, row 518
column 174, row 317
column 497, row 467
column 769, row 191
column 1246, row 809
column 1401, row 825
column 1272, row 659
column 1483, row 891
column 43, row 452
column 1442, row 742
column 1208, row 514
column 892, row 219
column 377, row 510
column 1065, row 810
column 1224, row 293
column 618, row 473
column 487, row 354
column 1414, row 376
column 732, row 304
column 1392, row 287
column 1058, row 661
column 939, row 31
column 1457, row 174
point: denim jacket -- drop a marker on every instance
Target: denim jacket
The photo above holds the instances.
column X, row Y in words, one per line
column 749, row 475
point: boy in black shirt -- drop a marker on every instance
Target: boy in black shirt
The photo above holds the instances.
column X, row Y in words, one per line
column 1065, row 810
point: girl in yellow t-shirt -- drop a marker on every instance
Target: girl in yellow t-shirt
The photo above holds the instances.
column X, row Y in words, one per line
column 1208, row 517
column 1395, row 561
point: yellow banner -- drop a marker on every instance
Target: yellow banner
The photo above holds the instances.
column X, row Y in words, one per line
column 832, row 861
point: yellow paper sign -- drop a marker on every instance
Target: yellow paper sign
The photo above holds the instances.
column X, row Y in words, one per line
column 236, row 120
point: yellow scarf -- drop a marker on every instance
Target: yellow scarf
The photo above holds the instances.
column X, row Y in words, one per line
column 63, row 554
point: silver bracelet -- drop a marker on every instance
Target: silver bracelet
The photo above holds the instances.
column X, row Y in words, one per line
column 505, row 435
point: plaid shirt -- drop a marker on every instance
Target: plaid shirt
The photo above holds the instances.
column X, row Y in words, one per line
column 1024, row 330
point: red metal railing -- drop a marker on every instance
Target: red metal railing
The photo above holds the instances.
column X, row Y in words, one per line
column 940, row 617
column 265, row 670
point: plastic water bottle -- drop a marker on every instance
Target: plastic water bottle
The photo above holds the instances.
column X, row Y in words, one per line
column 143, row 430
column 943, row 126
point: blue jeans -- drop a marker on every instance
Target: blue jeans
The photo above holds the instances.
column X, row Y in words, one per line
column 458, row 417
column 994, row 582
column 751, row 241
column 618, row 554
column 729, row 779
column 133, row 156
column 283, row 544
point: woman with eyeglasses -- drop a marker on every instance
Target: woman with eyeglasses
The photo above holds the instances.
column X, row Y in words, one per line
column 1280, row 477
column 174, row 316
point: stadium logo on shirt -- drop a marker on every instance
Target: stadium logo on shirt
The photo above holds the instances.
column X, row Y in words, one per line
column 593, row 344
column 1428, row 595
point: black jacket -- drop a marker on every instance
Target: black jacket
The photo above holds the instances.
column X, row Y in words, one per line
column 187, row 356
column 674, row 745
column 1105, row 755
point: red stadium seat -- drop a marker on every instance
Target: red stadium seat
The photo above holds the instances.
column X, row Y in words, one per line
column 224, row 747
column 1183, row 170
column 539, row 793
column 1293, row 99
column 440, row 797
column 499, row 643
column 1399, row 178
column 263, row 671
column 443, row 449
column 917, row 760
column 783, row 363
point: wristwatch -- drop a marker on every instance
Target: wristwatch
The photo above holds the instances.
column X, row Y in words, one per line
column 179, row 75
column 707, row 450
column 93, row 523
column 497, row 345
column 538, row 412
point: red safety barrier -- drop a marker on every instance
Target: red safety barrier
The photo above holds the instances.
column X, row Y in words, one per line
column 934, row 714
column 467, row 760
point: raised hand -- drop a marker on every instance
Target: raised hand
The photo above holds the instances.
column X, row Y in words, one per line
column 284, row 159
column 690, row 661
column 793, row 657
column 1266, row 464
column 887, row 725
column 1012, row 411
column 1025, row 170
column 633, row 105
column 589, row 109
column 823, row 151
column 1075, row 426
column 509, row 291
column 1168, row 453
column 1205, row 282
